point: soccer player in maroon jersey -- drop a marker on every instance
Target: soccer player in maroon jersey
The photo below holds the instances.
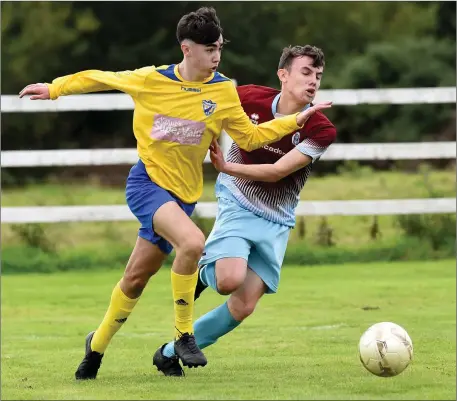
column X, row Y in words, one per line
column 257, row 194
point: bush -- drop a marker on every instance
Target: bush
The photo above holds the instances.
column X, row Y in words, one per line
column 34, row 236
column 403, row 249
column 438, row 230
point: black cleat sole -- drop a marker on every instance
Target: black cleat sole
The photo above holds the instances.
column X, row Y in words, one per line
column 193, row 365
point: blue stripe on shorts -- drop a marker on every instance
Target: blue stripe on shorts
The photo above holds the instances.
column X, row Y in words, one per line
column 144, row 197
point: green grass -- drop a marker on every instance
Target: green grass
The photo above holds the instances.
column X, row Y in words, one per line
column 347, row 230
column 300, row 343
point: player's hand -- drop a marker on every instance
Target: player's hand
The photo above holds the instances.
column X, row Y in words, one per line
column 216, row 155
column 304, row 115
column 36, row 92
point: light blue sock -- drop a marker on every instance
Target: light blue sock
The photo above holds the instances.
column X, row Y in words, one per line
column 209, row 328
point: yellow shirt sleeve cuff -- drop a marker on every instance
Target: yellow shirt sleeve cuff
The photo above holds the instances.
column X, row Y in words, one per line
column 295, row 117
column 52, row 91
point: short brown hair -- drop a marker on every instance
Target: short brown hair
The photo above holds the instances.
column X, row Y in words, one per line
column 291, row 52
column 201, row 26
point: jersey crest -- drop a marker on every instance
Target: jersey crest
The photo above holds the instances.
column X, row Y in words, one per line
column 296, row 138
column 208, row 107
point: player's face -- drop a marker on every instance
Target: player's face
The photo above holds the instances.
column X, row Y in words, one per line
column 206, row 58
column 302, row 80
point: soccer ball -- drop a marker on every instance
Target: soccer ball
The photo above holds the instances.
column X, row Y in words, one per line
column 385, row 349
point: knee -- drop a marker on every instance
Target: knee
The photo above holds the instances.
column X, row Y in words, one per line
column 241, row 309
column 192, row 247
column 133, row 284
column 227, row 285
column 135, row 279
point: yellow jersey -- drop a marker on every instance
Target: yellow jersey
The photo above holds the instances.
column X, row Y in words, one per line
column 175, row 120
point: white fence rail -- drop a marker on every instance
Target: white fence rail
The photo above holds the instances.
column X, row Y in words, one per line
column 340, row 97
column 57, row 214
column 100, row 157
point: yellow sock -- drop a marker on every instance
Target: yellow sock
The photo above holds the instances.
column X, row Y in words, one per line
column 183, row 287
column 118, row 311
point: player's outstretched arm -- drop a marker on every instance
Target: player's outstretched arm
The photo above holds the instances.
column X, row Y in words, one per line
column 250, row 137
column 311, row 149
column 288, row 164
column 88, row 81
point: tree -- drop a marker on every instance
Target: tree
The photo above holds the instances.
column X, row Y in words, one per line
column 35, row 37
column 405, row 64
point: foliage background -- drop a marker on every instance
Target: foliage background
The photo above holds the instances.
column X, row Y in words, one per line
column 367, row 45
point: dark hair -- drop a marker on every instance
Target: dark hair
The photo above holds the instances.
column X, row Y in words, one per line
column 289, row 53
column 201, row 26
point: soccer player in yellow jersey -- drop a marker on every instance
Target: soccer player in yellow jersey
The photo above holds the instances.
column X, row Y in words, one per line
column 179, row 110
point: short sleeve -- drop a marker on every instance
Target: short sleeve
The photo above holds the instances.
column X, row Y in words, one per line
column 316, row 145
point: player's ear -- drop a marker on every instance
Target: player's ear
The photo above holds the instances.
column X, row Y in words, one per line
column 282, row 75
column 185, row 47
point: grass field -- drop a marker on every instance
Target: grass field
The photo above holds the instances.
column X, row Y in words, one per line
column 347, row 230
column 300, row 344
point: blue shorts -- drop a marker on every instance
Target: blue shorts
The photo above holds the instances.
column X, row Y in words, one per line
column 144, row 197
column 239, row 233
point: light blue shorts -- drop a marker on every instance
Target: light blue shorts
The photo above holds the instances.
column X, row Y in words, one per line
column 239, row 233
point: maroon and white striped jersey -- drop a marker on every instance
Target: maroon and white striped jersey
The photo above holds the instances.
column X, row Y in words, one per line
column 274, row 201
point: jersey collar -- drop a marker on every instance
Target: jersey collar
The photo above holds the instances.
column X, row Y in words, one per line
column 178, row 75
column 274, row 105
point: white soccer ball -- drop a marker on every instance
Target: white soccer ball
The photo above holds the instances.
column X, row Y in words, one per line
column 385, row 349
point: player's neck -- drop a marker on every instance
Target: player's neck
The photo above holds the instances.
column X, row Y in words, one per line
column 189, row 73
column 287, row 105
